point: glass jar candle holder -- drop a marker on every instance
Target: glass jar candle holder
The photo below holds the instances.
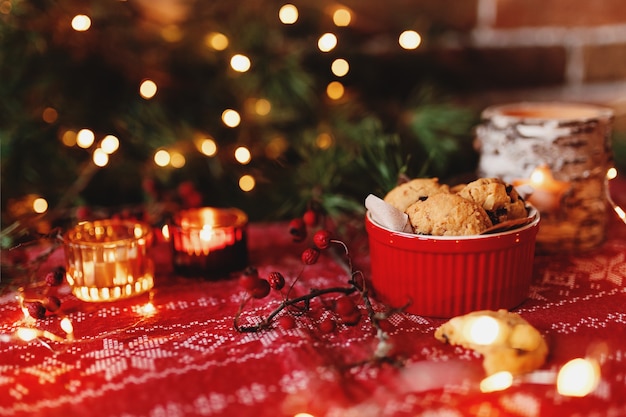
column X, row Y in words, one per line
column 557, row 154
column 107, row 260
column 208, row 241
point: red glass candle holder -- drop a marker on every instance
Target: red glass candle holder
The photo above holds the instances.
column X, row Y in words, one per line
column 208, row 241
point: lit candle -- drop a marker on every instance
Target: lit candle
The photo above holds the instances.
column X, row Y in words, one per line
column 547, row 192
column 107, row 260
column 208, row 241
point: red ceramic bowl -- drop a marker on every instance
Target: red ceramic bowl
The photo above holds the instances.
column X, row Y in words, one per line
column 446, row 276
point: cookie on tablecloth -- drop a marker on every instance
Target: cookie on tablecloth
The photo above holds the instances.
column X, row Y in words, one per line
column 405, row 194
column 517, row 348
column 447, row 215
column 499, row 199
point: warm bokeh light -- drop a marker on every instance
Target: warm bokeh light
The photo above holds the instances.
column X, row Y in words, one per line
column 242, row 155
column 172, row 33
column 208, row 147
column 262, row 107
column 85, row 138
column 147, row 89
column 497, row 382
column 483, row 330
column 81, row 23
column 49, row 115
column 276, row 147
column 303, row 415
column 147, row 310
column 110, row 144
column 324, row 140
column 578, row 378
column 410, row 39
column 177, row 160
column 162, row 158
column 216, row 40
column 342, row 17
column 611, row 173
column 40, row 205
column 288, row 14
column 340, row 67
column 335, row 90
column 231, row 118
column 100, row 158
column 27, row 334
column 165, row 231
column 240, row 63
column 67, row 326
column 327, row 42
column 69, row 138
column 247, row 183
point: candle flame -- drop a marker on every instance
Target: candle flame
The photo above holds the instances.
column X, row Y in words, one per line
column 496, row 382
column 578, row 377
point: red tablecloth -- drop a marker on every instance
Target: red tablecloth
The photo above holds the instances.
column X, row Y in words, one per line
column 186, row 359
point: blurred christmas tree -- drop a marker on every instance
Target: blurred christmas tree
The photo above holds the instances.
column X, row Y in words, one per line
column 218, row 103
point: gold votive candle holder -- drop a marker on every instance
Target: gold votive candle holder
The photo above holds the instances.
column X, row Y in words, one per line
column 209, row 241
column 108, row 260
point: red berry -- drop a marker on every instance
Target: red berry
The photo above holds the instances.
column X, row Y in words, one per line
column 321, row 239
column 35, row 309
column 249, row 278
column 310, row 218
column 327, row 325
column 261, row 290
column 52, row 303
column 344, row 306
column 276, row 280
column 286, row 322
column 351, row 319
column 310, row 256
column 297, row 230
column 55, row 277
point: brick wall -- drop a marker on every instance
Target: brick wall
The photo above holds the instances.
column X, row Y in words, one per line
column 512, row 43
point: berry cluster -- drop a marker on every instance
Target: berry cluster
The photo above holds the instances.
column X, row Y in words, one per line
column 342, row 309
column 37, row 305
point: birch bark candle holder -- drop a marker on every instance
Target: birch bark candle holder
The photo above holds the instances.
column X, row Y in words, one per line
column 560, row 152
column 107, row 260
column 208, row 241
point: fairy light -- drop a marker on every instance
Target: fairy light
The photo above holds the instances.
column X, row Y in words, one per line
column 496, row 382
column 110, row 144
column 578, row 377
column 342, row 17
column 231, row 118
column 208, row 147
column 410, row 39
column 49, row 115
column 611, row 174
column 288, row 14
column 85, row 138
column 81, row 23
column 335, row 90
column 216, row 40
column 147, row 89
column 340, row 67
column 324, row 141
column 247, row 183
column 162, row 158
column 148, row 309
column 242, row 155
column 40, row 205
column 100, row 157
column 483, row 330
column 165, row 231
column 240, row 63
column 327, row 42
column 177, row 160
column 27, row 334
column 68, row 138
column 262, row 107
